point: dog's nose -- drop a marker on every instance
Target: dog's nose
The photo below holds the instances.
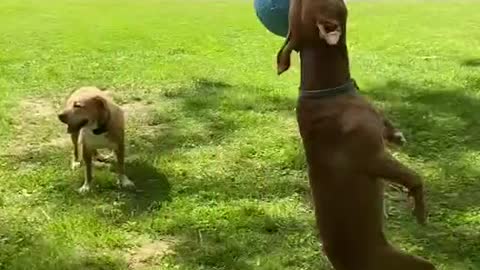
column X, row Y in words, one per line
column 63, row 117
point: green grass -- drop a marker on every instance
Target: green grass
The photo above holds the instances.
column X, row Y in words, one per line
column 212, row 139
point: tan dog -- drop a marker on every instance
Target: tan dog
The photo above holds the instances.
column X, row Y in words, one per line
column 95, row 122
column 344, row 138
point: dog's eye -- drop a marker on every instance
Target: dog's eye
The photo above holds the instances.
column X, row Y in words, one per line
column 77, row 105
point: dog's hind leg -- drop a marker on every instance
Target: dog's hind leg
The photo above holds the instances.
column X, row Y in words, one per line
column 123, row 180
column 75, row 163
column 392, row 259
column 386, row 167
column 337, row 262
column 87, row 159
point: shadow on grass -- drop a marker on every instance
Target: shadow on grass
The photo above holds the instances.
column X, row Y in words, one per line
column 152, row 188
column 209, row 113
column 214, row 106
column 258, row 243
column 23, row 247
column 151, row 191
column 472, row 62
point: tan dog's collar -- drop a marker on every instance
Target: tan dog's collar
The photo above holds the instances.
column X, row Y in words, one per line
column 102, row 127
column 100, row 130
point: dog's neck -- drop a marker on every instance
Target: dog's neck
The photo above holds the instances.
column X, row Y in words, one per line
column 98, row 128
column 102, row 126
column 324, row 66
column 101, row 129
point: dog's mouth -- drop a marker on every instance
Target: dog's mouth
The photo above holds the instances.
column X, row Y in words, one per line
column 77, row 127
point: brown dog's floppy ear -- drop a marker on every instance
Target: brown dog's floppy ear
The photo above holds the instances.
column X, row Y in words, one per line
column 283, row 55
column 291, row 40
column 103, row 115
column 330, row 32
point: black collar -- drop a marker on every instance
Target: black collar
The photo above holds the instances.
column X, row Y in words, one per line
column 103, row 125
column 349, row 87
column 100, row 129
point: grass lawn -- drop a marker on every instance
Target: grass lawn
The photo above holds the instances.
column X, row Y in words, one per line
column 212, row 140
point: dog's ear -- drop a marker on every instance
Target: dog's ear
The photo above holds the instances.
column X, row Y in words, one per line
column 283, row 55
column 330, row 32
column 103, row 115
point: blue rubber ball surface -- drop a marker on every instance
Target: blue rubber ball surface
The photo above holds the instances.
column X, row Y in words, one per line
column 273, row 14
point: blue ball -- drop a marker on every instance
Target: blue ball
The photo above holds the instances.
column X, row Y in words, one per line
column 273, row 14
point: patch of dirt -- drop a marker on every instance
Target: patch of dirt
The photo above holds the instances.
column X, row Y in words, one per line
column 35, row 122
column 137, row 111
column 149, row 253
column 143, row 120
column 59, row 142
column 38, row 108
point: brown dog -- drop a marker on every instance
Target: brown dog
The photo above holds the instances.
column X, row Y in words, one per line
column 344, row 140
column 305, row 22
column 94, row 122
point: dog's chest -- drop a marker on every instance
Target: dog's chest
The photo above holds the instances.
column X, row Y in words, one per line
column 92, row 141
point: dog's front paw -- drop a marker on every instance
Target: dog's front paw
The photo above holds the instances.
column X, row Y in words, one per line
column 420, row 213
column 124, row 182
column 399, row 138
column 84, row 189
column 385, row 209
column 75, row 165
column 419, row 209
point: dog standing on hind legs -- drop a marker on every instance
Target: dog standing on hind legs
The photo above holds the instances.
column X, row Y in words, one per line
column 345, row 145
column 95, row 122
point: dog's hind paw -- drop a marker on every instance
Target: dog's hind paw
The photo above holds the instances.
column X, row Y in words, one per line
column 84, row 189
column 104, row 158
column 75, row 165
column 124, row 182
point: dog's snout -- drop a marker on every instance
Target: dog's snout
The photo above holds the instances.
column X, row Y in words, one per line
column 62, row 117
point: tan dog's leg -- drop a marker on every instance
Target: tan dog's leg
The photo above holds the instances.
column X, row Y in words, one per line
column 386, row 167
column 123, row 180
column 391, row 259
column 75, row 163
column 87, row 159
